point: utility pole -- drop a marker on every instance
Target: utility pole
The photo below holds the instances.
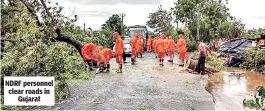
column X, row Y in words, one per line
column 198, row 22
column 122, row 15
column 84, row 27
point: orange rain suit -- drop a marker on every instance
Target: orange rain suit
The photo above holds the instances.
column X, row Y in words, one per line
column 181, row 45
column 86, row 50
column 161, row 47
column 140, row 44
column 154, row 44
column 166, row 43
column 133, row 44
column 171, row 46
column 118, row 47
column 99, row 57
column 149, row 43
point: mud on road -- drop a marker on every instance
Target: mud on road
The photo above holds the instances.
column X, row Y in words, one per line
column 143, row 86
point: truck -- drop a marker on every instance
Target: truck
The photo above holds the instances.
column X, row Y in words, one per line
column 142, row 30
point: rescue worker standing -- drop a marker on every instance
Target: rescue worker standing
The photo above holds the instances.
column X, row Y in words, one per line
column 118, row 50
column 133, row 44
column 124, row 55
column 171, row 47
column 149, row 43
column 203, row 51
column 166, row 44
column 140, row 46
column 181, row 45
column 86, row 53
column 161, row 49
column 154, row 45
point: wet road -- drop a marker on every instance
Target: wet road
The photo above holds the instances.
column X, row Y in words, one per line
column 143, row 86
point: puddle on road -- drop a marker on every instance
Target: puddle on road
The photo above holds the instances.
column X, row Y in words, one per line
column 237, row 84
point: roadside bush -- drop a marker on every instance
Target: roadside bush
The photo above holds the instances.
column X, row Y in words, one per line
column 213, row 61
column 258, row 102
column 255, row 60
column 191, row 45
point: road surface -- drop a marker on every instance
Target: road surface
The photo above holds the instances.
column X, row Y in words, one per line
column 143, row 86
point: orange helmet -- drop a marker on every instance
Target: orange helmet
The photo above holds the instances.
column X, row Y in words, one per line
column 115, row 35
column 136, row 35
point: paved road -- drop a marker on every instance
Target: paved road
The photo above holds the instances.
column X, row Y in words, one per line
column 143, row 86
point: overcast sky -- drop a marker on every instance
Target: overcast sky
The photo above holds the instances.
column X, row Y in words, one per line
column 96, row 12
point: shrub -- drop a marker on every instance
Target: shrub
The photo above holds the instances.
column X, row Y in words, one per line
column 255, row 59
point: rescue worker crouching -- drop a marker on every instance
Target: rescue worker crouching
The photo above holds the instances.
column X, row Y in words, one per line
column 101, row 61
column 86, row 53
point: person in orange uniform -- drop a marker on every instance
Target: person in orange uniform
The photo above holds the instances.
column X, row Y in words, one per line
column 166, row 44
column 140, row 46
column 154, row 45
column 161, row 49
column 86, row 53
column 133, row 44
column 171, row 47
column 149, row 43
column 101, row 60
column 119, row 45
column 181, row 45
column 108, row 55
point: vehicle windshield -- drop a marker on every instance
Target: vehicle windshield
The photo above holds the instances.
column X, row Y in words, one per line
column 126, row 40
column 141, row 32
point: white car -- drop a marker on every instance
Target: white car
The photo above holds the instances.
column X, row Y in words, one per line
column 127, row 46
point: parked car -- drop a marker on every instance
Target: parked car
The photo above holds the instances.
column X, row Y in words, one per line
column 127, row 47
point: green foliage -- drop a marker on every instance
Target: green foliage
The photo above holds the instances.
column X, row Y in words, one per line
column 114, row 24
column 213, row 61
column 145, row 108
column 258, row 102
column 255, row 59
column 27, row 49
column 160, row 21
column 254, row 33
column 103, row 37
column 215, row 20
column 191, row 44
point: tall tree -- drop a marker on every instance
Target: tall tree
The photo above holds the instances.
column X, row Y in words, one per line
column 30, row 45
column 160, row 21
column 210, row 15
column 114, row 23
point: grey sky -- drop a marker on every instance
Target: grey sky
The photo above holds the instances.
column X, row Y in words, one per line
column 96, row 12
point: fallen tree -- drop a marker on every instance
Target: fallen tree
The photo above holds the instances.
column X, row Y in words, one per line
column 208, row 69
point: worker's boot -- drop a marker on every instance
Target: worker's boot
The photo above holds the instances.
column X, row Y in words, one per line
column 90, row 66
column 162, row 62
column 119, row 69
column 101, row 67
column 132, row 60
column 107, row 68
column 141, row 55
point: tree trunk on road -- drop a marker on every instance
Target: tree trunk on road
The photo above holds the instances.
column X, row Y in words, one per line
column 208, row 68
